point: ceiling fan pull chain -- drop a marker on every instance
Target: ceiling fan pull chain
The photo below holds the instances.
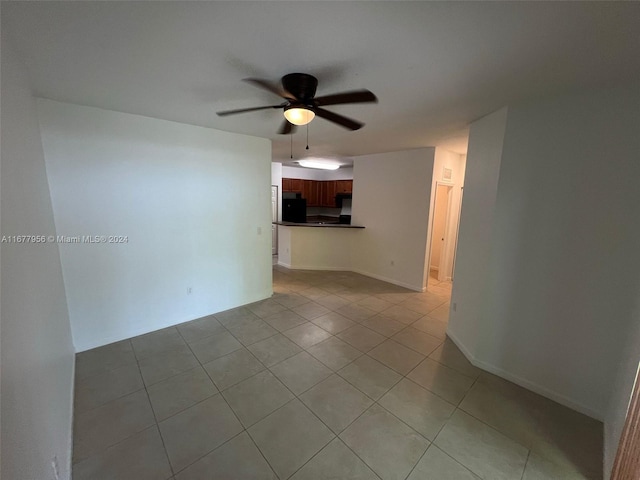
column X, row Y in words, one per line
column 307, row 137
column 291, row 136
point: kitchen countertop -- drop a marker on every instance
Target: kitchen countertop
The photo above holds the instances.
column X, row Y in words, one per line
column 318, row 224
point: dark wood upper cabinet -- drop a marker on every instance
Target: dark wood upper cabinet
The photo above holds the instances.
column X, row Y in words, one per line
column 317, row 193
column 344, row 186
column 328, row 193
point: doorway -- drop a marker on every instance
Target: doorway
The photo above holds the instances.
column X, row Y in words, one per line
column 439, row 266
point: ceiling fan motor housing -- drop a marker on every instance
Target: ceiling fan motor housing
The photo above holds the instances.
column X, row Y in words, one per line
column 301, row 85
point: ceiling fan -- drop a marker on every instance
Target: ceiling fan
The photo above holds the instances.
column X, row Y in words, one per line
column 301, row 105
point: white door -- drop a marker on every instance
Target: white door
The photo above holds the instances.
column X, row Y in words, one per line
column 274, row 218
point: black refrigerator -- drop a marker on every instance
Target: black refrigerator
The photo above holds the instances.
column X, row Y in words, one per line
column 294, row 210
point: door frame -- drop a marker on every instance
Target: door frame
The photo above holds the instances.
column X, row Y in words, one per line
column 447, row 228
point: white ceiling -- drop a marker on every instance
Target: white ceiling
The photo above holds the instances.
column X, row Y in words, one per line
column 435, row 67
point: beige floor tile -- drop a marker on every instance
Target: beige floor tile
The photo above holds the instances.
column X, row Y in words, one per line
column 311, row 310
column 96, row 390
column 265, row 308
column 156, row 343
column 396, row 297
column 401, row 314
column 370, row 376
column 234, row 315
column 336, row 402
column 421, row 410
column 374, row 303
column 441, row 380
column 101, row 360
column 300, row 372
column 356, row 312
column 435, row 328
column 196, row 431
column 450, row 355
column 256, row 397
column 313, row 293
column 334, row 353
column 233, row 368
column 179, row 392
column 289, row 437
column 383, row 325
column 140, row 457
column 291, row 300
column 437, row 465
column 361, row 338
column 307, row 334
column 388, row 446
column 352, row 295
column 332, row 302
column 424, row 303
column 417, row 340
column 396, row 356
column 160, row 367
column 333, row 322
column 251, row 330
column 441, row 313
column 237, row 459
column 284, row 320
column 215, row 346
column 539, row 468
column 335, row 461
column 111, row 423
column 480, row 448
column 274, row 349
column 200, row 328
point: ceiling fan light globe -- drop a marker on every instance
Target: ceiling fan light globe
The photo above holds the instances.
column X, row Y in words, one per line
column 298, row 115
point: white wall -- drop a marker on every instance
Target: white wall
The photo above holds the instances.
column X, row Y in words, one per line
column 484, row 155
column 344, row 173
column 562, row 277
column 457, row 164
column 191, row 201
column 37, row 351
column 391, row 195
column 317, row 248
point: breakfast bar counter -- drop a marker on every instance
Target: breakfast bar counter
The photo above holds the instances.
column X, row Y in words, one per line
column 319, row 246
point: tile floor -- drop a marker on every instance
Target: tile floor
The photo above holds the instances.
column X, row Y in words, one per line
column 337, row 376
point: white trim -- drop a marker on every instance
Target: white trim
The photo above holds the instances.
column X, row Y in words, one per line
column 391, row 280
column 305, row 267
column 532, row 386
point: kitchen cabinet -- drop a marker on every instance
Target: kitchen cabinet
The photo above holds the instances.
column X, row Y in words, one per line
column 344, row 186
column 292, row 185
column 317, row 193
column 311, row 191
column 328, row 193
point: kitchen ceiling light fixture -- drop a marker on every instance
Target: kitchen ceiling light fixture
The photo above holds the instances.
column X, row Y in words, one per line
column 319, row 164
column 298, row 115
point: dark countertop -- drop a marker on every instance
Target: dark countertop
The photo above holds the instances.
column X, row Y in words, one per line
column 317, row 224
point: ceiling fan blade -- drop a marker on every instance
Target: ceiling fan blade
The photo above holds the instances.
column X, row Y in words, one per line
column 355, row 96
column 243, row 110
column 339, row 119
column 270, row 87
column 286, row 128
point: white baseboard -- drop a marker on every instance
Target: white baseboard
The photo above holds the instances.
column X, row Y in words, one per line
column 415, row 288
column 308, row 267
column 534, row 387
